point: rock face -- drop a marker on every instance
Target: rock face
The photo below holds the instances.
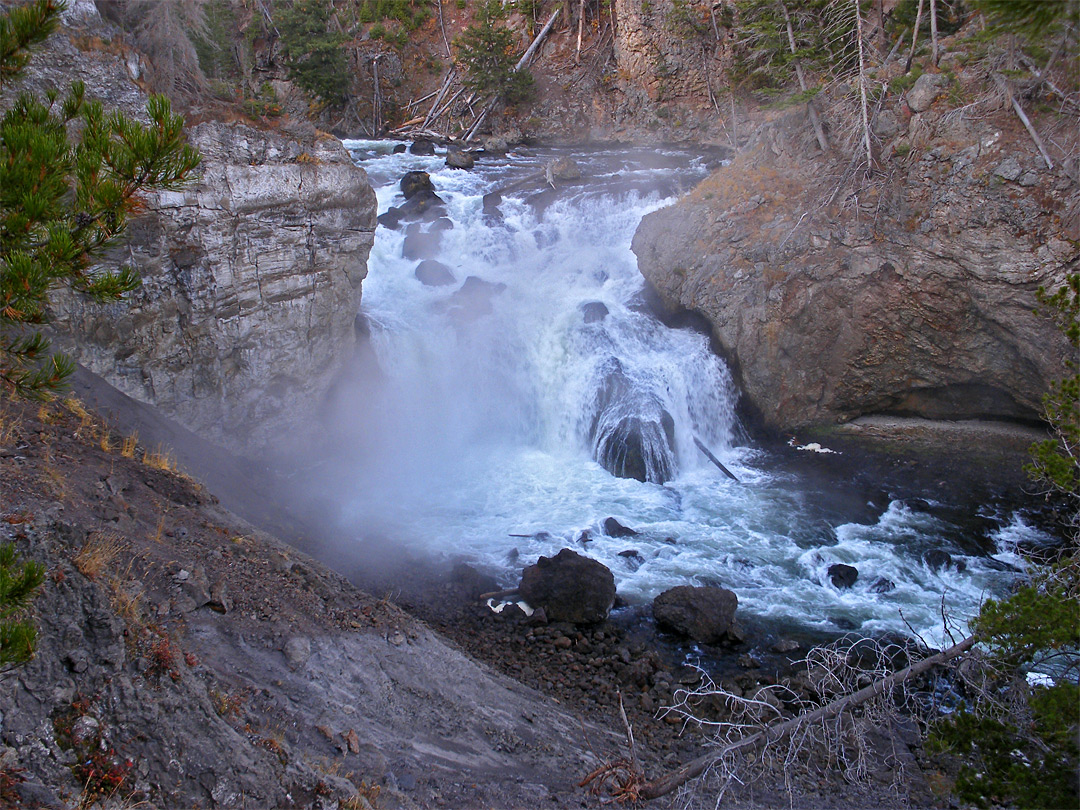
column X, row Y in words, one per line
column 569, row 587
column 917, row 300
column 702, row 613
column 251, row 285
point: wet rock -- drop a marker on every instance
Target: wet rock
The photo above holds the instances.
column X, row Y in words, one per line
column 391, row 218
column 491, row 203
column 939, row 560
column 612, row 528
column 563, row 168
column 569, row 587
column 442, row 224
column 416, row 182
column 702, row 613
column 433, row 273
column 882, row 585
column 422, row 147
column 459, row 159
column 633, row 558
column 785, row 645
column 843, row 576
column 584, row 537
column 420, row 244
column 594, row 311
column 399, row 149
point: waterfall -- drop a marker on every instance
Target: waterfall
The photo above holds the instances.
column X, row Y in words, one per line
column 520, row 392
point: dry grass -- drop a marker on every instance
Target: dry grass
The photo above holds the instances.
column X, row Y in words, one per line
column 99, row 554
column 160, row 459
column 128, row 445
column 105, row 441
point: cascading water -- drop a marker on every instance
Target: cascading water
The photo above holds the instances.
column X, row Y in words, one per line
column 528, row 369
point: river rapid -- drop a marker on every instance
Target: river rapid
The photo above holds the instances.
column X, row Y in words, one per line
column 478, row 428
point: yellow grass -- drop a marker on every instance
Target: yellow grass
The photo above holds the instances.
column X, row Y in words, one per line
column 99, row 554
column 127, row 447
column 160, row 459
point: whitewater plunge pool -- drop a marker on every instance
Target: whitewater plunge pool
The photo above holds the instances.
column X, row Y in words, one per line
column 481, row 423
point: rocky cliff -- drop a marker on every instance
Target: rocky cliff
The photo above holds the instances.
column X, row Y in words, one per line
column 251, row 277
column 910, row 292
column 251, row 285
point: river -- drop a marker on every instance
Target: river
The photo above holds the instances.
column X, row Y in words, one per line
column 483, row 420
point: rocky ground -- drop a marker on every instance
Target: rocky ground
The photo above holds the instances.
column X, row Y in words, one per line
column 186, row 658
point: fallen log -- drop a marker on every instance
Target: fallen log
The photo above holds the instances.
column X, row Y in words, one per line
column 701, row 446
column 663, row 785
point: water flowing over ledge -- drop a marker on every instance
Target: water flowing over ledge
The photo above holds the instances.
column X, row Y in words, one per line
column 489, row 422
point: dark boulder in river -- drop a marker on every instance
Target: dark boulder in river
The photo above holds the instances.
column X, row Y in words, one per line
column 705, row 614
column 432, row 273
column 843, row 576
column 594, row 311
column 569, row 587
column 414, row 182
column 612, row 528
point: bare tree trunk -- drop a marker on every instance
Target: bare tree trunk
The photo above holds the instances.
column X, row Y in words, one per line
column 771, row 734
column 815, row 120
column 438, row 98
column 933, row 32
column 862, row 87
column 580, row 27
column 376, row 101
column 442, row 27
column 914, row 37
column 1024, row 119
column 734, row 124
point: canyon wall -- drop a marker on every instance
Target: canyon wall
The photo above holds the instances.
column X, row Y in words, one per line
column 910, row 292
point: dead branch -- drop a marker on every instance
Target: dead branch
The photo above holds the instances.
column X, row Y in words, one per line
column 815, row 121
column 1000, row 82
column 774, row 733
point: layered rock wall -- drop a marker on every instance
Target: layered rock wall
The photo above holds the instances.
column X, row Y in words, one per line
column 251, row 285
column 912, row 293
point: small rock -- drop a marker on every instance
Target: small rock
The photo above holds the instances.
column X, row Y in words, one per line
column 352, row 741
column 399, row 149
column 1009, row 169
column 297, row 650
column 397, row 638
column 182, row 575
column 423, row 148
column 747, row 661
column 85, row 729
column 563, row 643
column 785, row 645
column 882, row 585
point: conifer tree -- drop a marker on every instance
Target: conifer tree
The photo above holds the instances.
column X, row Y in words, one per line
column 19, row 581
column 64, row 198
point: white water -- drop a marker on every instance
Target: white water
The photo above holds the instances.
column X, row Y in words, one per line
column 480, row 429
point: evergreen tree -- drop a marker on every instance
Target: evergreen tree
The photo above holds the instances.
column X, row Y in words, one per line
column 312, row 51
column 19, row 582
column 487, row 50
column 64, row 199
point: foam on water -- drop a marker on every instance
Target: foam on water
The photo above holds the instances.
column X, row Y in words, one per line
column 480, row 429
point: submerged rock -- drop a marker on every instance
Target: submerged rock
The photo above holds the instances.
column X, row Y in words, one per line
column 569, row 587
column 434, row 273
column 594, row 311
column 459, row 159
column 705, row 614
column 612, row 528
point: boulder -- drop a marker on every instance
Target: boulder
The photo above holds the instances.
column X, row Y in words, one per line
column 422, row 147
column 705, row 614
column 432, row 273
column 424, row 205
column 420, row 244
column 926, row 88
column 612, row 528
column 459, row 159
column 563, row 168
column 399, row 149
column 413, row 182
column 882, row 585
column 569, row 587
column 929, row 312
column 843, row 576
column 938, row 560
column 594, row 311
